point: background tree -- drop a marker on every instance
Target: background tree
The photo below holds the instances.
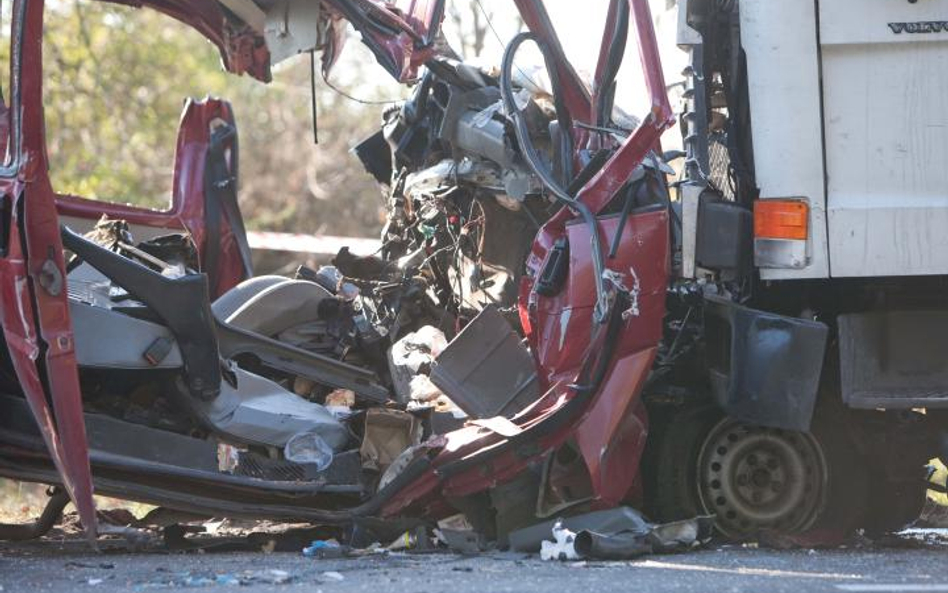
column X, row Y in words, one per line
column 116, row 78
column 470, row 25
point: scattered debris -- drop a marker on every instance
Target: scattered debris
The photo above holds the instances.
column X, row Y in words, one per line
column 410, row 358
column 228, row 457
column 457, row 533
column 415, row 539
column 563, row 546
column 324, row 549
column 340, row 398
column 466, row 541
column 387, row 434
column 99, row 565
column 614, row 534
column 191, row 579
column 308, row 448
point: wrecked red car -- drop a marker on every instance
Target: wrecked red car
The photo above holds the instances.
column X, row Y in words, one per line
column 500, row 357
column 145, row 371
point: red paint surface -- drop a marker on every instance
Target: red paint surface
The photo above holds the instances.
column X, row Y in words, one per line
column 242, row 51
column 187, row 202
column 611, row 431
column 36, row 323
column 407, row 43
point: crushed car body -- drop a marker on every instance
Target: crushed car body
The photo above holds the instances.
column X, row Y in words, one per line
column 285, row 398
column 532, row 342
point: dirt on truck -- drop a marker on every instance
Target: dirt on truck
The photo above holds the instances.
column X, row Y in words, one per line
column 563, row 322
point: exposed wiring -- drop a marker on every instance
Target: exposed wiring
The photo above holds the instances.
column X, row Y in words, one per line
column 356, row 99
column 490, row 24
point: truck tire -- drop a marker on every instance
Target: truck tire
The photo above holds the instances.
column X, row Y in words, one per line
column 756, row 479
column 670, row 463
column 894, row 505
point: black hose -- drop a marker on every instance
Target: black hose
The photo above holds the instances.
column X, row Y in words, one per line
column 539, row 168
column 47, row 520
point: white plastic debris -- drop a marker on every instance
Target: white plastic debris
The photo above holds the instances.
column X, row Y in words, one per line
column 228, row 457
column 562, row 547
column 423, row 390
column 413, row 354
column 308, row 447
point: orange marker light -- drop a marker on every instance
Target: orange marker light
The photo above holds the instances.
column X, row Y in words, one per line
column 781, row 219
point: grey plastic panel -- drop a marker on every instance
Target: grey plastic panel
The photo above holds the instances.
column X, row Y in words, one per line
column 233, row 299
column 278, row 307
column 485, row 370
column 258, row 410
column 109, row 339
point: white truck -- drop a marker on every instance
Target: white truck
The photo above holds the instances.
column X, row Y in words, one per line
column 813, row 266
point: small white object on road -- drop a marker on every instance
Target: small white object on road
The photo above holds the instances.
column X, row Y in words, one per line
column 562, row 547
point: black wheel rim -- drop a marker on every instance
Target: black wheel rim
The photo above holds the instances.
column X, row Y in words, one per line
column 754, row 478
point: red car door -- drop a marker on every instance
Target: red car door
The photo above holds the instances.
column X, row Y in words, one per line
column 34, row 311
column 33, row 306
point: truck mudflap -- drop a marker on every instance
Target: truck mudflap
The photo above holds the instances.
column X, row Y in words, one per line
column 764, row 368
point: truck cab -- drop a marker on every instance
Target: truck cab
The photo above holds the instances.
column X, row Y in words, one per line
column 812, row 200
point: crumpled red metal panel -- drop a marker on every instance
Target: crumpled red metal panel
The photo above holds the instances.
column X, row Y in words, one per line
column 612, row 428
column 56, row 416
column 187, row 203
column 401, row 35
column 34, row 307
column 243, row 50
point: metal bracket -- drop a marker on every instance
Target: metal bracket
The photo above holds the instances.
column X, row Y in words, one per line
column 182, row 303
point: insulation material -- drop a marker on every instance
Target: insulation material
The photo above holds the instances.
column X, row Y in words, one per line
column 387, row 434
column 411, row 355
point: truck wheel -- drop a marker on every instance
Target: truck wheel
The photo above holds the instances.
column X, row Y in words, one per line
column 894, row 505
column 670, row 462
column 754, row 478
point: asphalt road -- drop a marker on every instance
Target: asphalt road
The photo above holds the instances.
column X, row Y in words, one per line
column 69, row 566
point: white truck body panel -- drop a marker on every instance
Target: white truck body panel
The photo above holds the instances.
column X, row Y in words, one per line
column 880, row 207
column 783, row 73
column 885, row 101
